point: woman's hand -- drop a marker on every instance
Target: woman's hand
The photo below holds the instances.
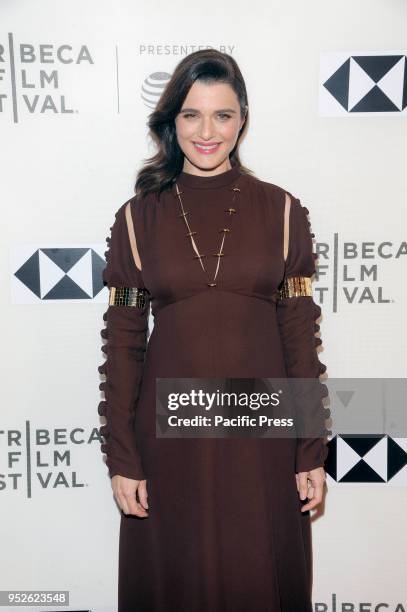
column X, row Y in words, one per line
column 314, row 490
column 125, row 490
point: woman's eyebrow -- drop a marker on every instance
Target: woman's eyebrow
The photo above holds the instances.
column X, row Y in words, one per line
column 219, row 110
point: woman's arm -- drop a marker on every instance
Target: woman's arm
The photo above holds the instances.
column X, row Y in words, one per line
column 296, row 315
column 126, row 341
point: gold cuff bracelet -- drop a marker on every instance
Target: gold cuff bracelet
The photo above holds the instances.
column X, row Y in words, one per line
column 295, row 287
column 127, row 296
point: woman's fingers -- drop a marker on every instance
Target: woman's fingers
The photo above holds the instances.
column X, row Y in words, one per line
column 316, row 498
column 134, row 506
column 303, row 484
column 311, row 486
column 125, row 492
column 142, row 493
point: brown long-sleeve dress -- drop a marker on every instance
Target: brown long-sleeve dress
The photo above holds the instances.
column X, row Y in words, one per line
column 225, row 532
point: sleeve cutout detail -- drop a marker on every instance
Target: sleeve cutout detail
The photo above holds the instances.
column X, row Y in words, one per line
column 132, row 237
column 287, row 208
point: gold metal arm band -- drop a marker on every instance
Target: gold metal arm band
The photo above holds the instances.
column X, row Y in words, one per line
column 296, row 286
column 127, row 296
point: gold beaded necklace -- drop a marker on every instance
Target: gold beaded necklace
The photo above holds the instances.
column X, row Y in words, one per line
column 225, row 230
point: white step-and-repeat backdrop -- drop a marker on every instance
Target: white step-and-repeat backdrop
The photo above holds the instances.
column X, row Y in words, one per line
column 327, row 84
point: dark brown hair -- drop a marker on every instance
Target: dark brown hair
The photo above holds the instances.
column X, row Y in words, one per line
column 207, row 65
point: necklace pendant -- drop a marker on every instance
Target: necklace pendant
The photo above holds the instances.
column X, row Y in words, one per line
column 191, row 233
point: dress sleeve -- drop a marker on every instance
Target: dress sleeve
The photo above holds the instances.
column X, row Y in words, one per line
column 296, row 316
column 126, row 340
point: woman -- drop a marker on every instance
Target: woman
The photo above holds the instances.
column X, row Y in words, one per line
column 215, row 524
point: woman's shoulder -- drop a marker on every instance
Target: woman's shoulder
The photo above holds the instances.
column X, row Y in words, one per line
column 270, row 192
column 278, row 195
column 135, row 205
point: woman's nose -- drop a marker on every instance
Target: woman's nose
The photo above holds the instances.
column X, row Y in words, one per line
column 206, row 128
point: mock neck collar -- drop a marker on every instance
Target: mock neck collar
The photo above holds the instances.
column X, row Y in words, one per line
column 207, row 182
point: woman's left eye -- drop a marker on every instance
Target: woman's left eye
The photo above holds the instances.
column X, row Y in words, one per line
column 224, row 115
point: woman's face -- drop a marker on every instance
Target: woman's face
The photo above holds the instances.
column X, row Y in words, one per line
column 207, row 127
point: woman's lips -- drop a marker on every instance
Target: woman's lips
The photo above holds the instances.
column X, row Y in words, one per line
column 207, row 149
